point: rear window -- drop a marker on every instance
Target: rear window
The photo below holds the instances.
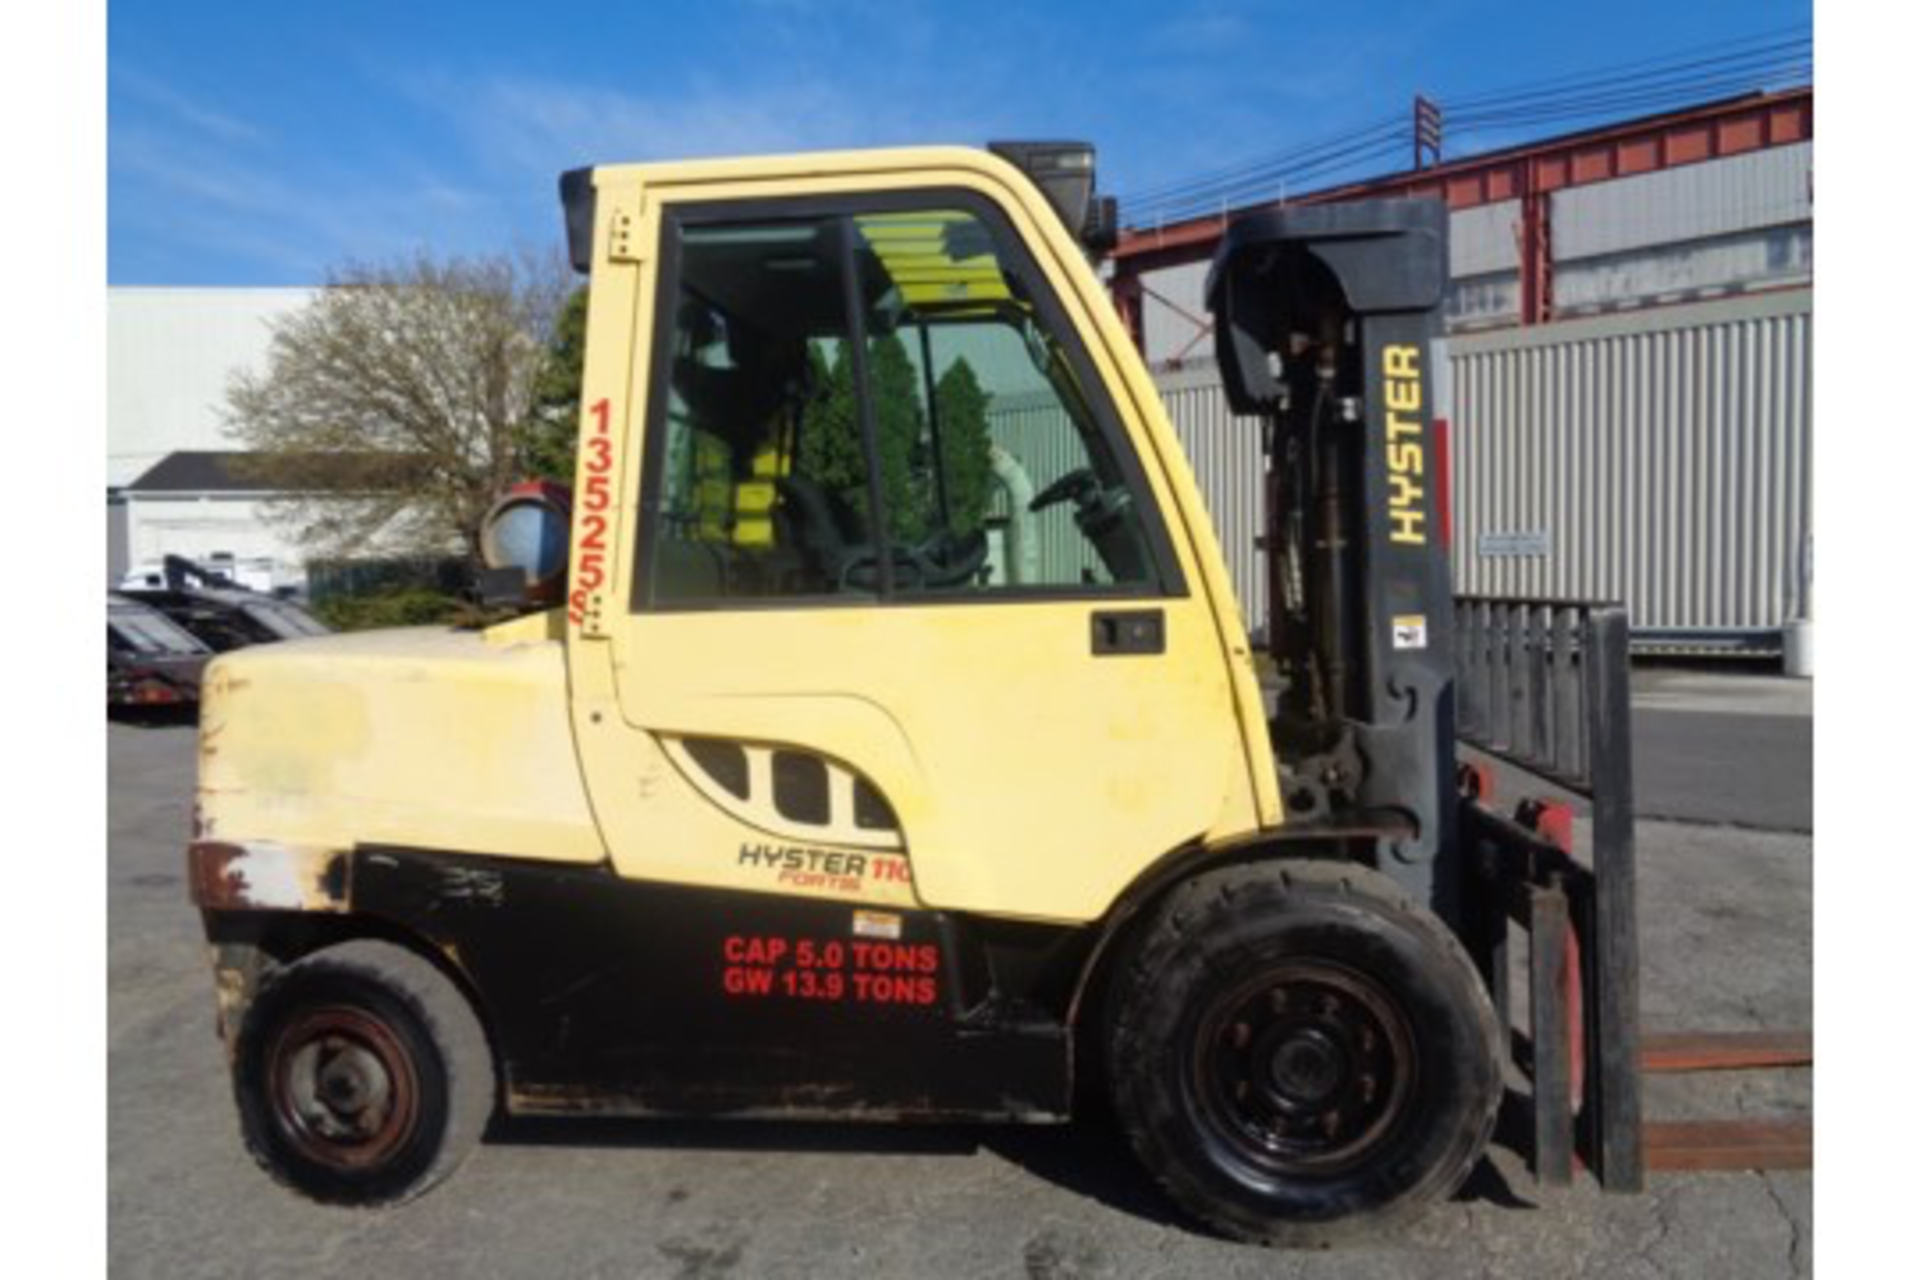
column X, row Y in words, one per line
column 146, row 632
column 288, row 621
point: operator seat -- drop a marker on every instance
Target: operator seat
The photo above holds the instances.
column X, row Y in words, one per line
column 804, row 520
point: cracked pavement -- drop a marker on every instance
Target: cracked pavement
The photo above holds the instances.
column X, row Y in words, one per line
column 1727, row 944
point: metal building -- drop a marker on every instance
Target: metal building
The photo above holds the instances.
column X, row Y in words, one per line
column 1630, row 319
column 1700, row 203
column 1660, row 457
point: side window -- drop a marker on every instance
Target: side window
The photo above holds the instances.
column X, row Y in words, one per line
column 787, row 340
column 995, row 471
column 758, row 484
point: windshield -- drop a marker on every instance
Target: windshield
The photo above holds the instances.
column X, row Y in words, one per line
column 146, row 632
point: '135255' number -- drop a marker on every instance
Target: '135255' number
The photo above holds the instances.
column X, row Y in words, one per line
column 590, row 567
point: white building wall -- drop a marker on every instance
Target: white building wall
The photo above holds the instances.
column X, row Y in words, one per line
column 1171, row 300
column 170, row 355
column 1483, row 240
column 1766, row 188
column 205, row 528
column 1771, row 258
column 117, row 560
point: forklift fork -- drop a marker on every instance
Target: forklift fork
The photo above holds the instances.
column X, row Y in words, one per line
column 1543, row 686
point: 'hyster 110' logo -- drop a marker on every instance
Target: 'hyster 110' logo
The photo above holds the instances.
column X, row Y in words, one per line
column 1406, row 458
column 800, row 867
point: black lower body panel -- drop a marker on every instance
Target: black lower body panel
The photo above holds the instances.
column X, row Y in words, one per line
column 613, row 996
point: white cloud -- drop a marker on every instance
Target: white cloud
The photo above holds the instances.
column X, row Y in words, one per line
column 542, row 127
column 196, row 115
column 183, row 187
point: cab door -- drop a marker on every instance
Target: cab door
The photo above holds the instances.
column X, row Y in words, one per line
column 897, row 612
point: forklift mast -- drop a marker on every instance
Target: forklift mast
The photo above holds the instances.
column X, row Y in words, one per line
column 1325, row 318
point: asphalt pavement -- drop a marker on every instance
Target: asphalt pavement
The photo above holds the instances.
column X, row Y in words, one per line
column 1727, row 944
column 1723, row 748
column 1715, row 748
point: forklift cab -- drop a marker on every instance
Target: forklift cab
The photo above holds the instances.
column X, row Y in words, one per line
column 856, row 441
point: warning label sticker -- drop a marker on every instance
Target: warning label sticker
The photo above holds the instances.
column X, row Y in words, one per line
column 876, row 924
column 1410, row 631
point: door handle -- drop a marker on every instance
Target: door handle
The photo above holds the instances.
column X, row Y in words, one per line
column 1124, row 631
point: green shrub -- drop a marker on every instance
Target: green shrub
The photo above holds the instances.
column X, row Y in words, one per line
column 407, row 607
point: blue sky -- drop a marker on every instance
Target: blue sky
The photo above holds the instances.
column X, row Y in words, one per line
column 263, row 143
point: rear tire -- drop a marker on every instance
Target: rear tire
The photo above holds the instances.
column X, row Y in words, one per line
column 362, row 1075
column 1300, row 1054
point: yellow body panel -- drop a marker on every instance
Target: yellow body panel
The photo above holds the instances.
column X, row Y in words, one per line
column 1029, row 778
column 425, row 738
column 1022, row 775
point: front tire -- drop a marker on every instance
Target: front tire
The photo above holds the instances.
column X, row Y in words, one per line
column 1298, row 1053
column 361, row 1075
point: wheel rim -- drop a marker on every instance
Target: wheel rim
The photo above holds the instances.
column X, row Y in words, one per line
column 344, row 1088
column 1307, row 1068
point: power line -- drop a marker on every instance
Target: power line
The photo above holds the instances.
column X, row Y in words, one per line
column 1792, row 37
column 1289, row 167
column 1697, row 92
column 1690, row 78
column 1273, row 163
column 1695, row 85
column 1274, row 183
column 1700, row 74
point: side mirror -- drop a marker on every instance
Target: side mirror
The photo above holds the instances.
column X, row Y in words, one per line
column 523, row 545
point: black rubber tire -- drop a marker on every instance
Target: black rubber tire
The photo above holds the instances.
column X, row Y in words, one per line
column 389, row 1006
column 1210, row 947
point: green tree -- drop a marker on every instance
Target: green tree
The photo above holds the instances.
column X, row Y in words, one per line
column 900, row 425
column 390, row 413
column 550, row 435
column 965, row 446
column 831, row 453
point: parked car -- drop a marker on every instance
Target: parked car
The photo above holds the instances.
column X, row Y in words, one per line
column 151, row 661
column 222, row 615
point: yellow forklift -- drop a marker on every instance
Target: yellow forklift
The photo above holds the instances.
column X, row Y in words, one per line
column 896, row 750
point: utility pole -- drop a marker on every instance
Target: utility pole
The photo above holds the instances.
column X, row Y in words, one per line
column 1426, row 131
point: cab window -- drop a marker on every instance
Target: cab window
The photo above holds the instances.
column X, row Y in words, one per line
column 871, row 403
column 997, row 473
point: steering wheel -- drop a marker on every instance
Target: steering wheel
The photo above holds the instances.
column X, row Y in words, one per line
column 942, row 560
column 947, row 559
column 1079, row 485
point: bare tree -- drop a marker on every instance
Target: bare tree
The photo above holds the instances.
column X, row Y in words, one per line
column 392, row 408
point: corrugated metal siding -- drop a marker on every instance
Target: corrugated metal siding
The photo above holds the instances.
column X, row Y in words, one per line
column 1223, row 450
column 1042, row 439
column 1691, row 202
column 1665, row 453
column 1225, row 453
